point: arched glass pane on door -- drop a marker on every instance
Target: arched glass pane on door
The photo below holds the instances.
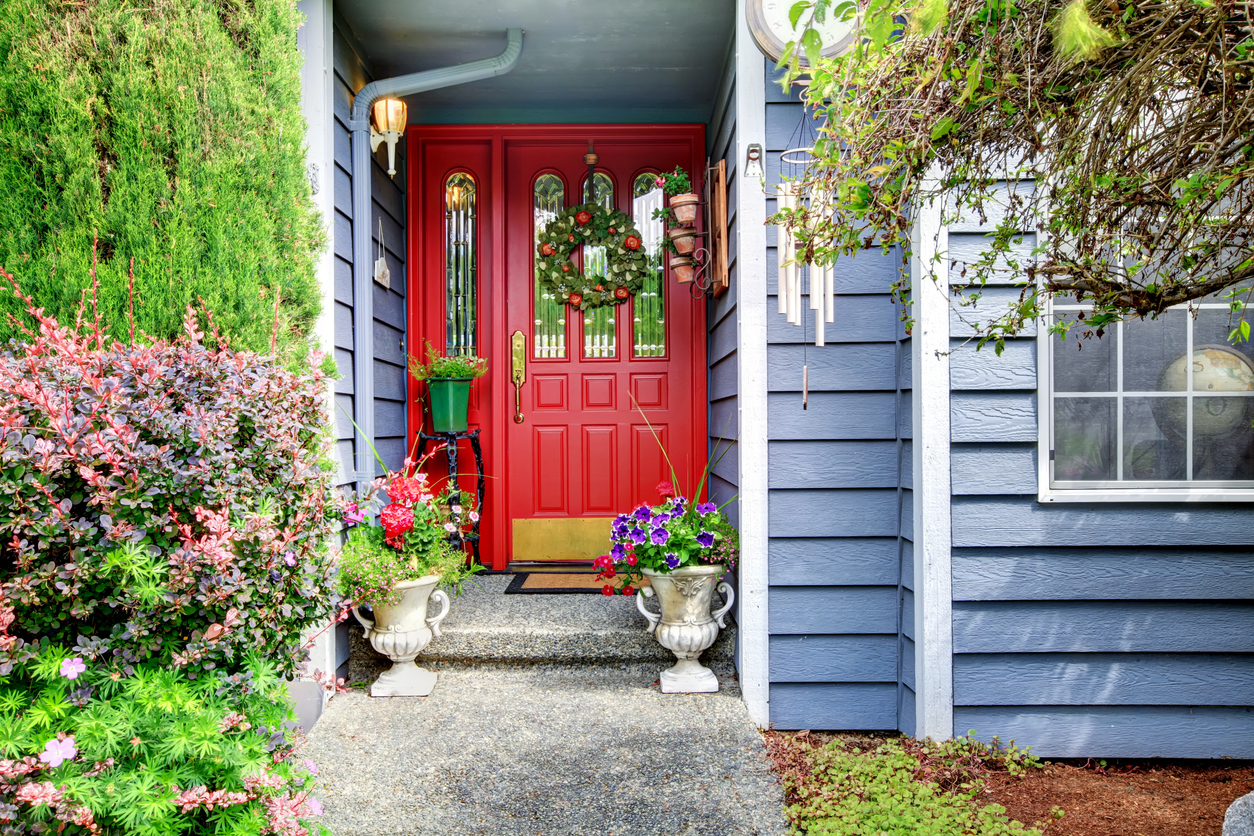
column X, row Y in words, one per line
column 599, row 338
column 460, row 268
column 649, row 321
column 548, row 199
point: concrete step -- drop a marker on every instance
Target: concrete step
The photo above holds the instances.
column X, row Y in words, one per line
column 487, row 627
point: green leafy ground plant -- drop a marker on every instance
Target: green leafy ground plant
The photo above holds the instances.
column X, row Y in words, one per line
column 900, row 787
column 85, row 750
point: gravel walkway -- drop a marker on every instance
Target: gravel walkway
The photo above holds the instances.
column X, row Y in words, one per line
column 546, row 750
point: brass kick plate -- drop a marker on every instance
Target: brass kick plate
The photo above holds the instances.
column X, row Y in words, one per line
column 562, row 538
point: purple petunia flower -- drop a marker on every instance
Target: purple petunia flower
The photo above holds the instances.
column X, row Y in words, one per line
column 643, row 513
column 638, row 536
column 71, row 668
column 706, row 539
column 706, row 508
column 672, row 560
column 659, row 535
column 618, row 552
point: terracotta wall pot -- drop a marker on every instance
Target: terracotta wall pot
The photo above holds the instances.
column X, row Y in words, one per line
column 685, row 240
column 685, row 208
column 685, row 625
column 683, row 268
column 450, row 402
column 400, row 632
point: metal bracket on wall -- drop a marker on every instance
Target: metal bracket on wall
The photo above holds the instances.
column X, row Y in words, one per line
column 711, row 274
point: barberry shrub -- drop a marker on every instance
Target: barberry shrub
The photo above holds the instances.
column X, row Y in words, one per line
column 87, row 751
column 166, row 503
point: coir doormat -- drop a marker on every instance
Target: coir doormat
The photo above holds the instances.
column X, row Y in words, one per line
column 554, row 583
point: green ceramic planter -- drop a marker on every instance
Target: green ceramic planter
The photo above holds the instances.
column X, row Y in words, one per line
column 450, row 399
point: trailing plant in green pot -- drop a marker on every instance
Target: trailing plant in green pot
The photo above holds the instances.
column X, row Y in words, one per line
column 448, row 386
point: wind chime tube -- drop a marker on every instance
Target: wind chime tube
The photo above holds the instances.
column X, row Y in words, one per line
column 829, row 292
column 819, row 335
column 781, row 255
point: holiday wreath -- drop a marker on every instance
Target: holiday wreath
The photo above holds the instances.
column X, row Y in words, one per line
column 627, row 263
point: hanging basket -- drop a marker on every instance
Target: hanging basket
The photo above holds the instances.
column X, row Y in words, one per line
column 450, row 403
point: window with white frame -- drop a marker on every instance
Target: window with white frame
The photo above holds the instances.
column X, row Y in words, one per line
column 1155, row 408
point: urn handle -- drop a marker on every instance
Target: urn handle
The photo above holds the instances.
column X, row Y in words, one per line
column 365, row 622
column 730, row 594
column 653, row 617
column 434, row 621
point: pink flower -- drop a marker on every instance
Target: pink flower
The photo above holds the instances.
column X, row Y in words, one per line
column 71, row 668
column 311, row 766
column 353, row 514
column 57, row 751
column 35, row 794
column 474, row 516
column 315, row 807
column 289, row 558
column 450, row 528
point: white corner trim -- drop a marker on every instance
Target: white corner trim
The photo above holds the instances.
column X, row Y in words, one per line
column 933, row 599
column 315, row 38
column 751, row 308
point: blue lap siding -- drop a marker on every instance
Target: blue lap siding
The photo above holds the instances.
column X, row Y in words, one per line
column 1086, row 630
column 838, row 477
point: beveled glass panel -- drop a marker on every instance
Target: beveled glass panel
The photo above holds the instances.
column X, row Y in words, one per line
column 460, row 268
column 1085, row 365
column 1084, row 439
column 549, row 198
column 599, row 329
column 1152, row 348
column 1152, row 450
column 649, row 320
column 1223, row 442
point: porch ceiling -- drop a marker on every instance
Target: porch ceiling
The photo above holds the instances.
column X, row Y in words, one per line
column 582, row 60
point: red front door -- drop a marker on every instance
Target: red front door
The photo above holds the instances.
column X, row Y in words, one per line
column 602, row 387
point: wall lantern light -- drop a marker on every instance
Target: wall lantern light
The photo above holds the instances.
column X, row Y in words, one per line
column 387, row 125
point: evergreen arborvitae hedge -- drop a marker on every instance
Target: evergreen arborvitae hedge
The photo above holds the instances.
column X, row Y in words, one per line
column 171, row 129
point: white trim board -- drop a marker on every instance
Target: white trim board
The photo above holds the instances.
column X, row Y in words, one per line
column 750, row 112
column 933, row 587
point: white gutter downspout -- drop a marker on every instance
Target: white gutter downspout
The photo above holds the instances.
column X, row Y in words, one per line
column 363, row 299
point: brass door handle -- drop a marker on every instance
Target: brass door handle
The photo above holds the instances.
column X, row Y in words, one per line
column 518, row 371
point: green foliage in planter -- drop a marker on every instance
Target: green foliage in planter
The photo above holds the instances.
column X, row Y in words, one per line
column 369, row 567
column 173, row 130
column 152, row 754
column 451, row 367
column 904, row 787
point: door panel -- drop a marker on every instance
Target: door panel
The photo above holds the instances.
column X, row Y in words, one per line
column 594, row 381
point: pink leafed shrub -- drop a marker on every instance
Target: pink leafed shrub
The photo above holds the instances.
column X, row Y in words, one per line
column 168, row 502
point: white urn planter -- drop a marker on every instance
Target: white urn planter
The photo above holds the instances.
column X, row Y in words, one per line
column 685, row 625
column 400, row 632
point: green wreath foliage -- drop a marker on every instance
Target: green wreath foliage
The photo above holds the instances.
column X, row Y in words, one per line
column 627, row 266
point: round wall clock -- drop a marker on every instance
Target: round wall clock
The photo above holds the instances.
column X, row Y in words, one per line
column 768, row 23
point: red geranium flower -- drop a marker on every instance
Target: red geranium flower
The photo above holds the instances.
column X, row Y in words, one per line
column 396, row 519
column 629, row 590
column 583, row 216
column 621, row 293
column 405, row 491
column 546, row 249
column 631, row 242
column 576, row 298
column 607, row 590
column 665, row 490
column 609, row 574
column 631, row 560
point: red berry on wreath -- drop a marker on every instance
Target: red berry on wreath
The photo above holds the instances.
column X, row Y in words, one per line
column 576, row 298
column 583, row 216
column 566, row 267
column 612, row 230
column 621, row 293
column 631, row 242
column 600, row 288
column 570, row 237
column 547, row 249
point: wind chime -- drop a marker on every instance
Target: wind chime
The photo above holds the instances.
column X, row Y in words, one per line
column 798, row 276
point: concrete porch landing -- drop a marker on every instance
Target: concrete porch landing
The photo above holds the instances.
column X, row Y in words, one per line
column 507, row 746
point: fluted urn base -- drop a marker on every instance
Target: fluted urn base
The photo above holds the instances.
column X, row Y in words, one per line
column 685, row 625
column 400, row 632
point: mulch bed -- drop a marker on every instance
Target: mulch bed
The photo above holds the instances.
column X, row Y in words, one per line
column 1122, row 798
column 1126, row 798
